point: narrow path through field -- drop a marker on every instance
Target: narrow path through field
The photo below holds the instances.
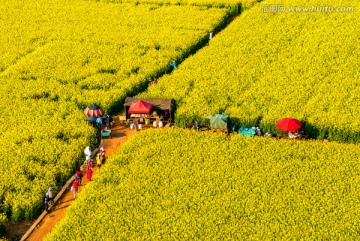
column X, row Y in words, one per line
column 120, row 135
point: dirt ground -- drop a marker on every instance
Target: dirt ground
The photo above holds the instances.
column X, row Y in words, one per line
column 14, row 231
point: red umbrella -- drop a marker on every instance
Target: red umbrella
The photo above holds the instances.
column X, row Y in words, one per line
column 140, row 107
column 93, row 110
column 288, row 124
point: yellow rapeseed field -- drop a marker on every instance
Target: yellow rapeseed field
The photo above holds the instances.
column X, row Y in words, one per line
column 77, row 52
column 269, row 65
column 184, row 185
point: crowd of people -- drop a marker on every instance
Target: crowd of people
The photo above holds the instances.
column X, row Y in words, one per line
column 89, row 164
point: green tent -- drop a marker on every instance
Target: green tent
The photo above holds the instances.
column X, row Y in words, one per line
column 218, row 121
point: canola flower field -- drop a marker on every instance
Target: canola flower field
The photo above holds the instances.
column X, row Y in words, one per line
column 86, row 52
column 41, row 143
column 77, row 52
column 192, row 185
column 266, row 66
column 181, row 184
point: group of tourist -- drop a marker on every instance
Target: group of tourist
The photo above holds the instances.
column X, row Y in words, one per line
column 89, row 165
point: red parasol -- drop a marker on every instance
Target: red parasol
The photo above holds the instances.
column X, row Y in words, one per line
column 93, row 110
column 140, row 107
column 288, row 124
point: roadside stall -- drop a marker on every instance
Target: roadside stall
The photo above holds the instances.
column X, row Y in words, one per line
column 147, row 111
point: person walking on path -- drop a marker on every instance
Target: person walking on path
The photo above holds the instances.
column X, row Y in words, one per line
column 78, row 176
column 109, row 121
column 102, row 151
column 88, row 164
column 87, row 152
column 99, row 123
column 102, row 160
column 50, row 194
column 74, row 188
column 98, row 160
column 173, row 64
column 89, row 173
column 46, row 202
column 102, row 155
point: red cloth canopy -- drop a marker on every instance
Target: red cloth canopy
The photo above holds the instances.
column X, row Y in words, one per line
column 288, row 124
column 140, row 107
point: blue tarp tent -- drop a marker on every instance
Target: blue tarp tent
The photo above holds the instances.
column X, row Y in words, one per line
column 218, row 121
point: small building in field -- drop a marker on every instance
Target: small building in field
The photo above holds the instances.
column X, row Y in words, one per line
column 158, row 108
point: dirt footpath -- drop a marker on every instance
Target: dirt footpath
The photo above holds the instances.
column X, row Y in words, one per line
column 120, row 134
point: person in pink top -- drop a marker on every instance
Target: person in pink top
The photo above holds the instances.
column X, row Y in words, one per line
column 89, row 173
